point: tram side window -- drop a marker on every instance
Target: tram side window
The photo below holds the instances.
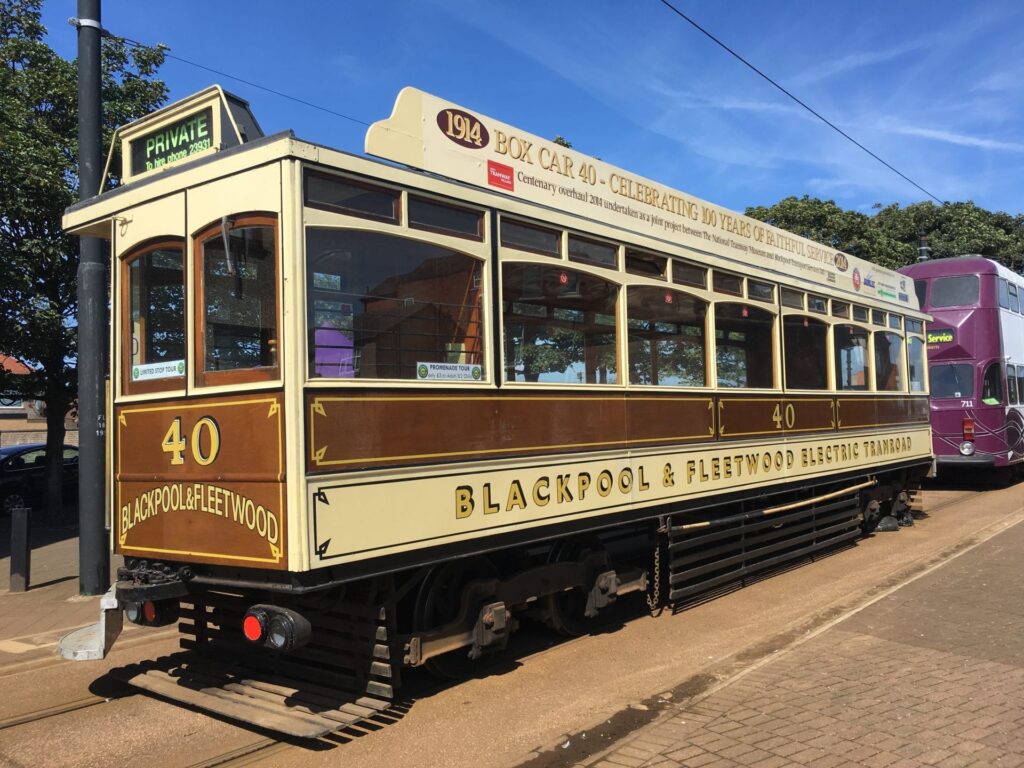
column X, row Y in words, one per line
column 386, row 307
column 667, row 341
column 851, row 357
column 1004, row 294
column 1020, row 381
column 806, row 358
column 992, row 385
column 239, row 297
column 559, row 325
column 915, row 357
column 744, row 346
column 1014, row 303
column 155, row 321
column 888, row 362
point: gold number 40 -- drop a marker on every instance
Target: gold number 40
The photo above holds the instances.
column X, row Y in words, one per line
column 175, row 443
column 788, row 415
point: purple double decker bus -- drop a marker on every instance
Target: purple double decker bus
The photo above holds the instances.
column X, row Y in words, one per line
column 975, row 359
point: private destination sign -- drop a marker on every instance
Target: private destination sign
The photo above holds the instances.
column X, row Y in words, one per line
column 172, row 142
column 435, row 135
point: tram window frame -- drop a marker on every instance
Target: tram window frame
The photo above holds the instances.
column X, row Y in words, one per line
column 766, row 291
column 917, row 363
column 429, row 202
column 792, row 298
column 395, row 217
column 509, row 223
column 840, row 309
column 658, row 269
column 551, row 310
column 583, row 257
column 680, row 267
column 232, row 376
column 398, row 330
column 899, row 383
column 1020, row 380
column 659, row 330
column 878, row 317
column 867, row 364
column 1014, row 300
column 860, row 314
column 727, row 283
column 895, row 322
column 817, row 304
column 798, row 351
column 992, row 382
column 914, row 326
column 165, row 383
column 722, row 337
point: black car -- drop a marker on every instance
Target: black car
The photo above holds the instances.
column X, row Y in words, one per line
column 23, row 473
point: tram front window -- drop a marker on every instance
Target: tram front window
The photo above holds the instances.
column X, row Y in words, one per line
column 239, row 299
column 387, row 307
column 949, row 380
column 156, row 318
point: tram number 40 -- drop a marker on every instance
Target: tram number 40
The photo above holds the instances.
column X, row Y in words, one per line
column 175, row 443
column 785, row 416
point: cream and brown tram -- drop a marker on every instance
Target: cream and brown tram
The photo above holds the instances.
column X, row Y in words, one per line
column 371, row 414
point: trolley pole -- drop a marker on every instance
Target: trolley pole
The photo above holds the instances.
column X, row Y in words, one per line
column 93, row 555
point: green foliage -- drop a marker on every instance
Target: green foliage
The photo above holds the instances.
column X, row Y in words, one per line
column 38, row 180
column 890, row 236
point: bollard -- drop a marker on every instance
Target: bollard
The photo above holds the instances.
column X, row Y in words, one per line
column 21, row 554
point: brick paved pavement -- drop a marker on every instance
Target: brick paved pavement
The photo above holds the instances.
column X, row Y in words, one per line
column 933, row 674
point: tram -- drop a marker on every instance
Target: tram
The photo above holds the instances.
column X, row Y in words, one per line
column 369, row 413
column 976, row 359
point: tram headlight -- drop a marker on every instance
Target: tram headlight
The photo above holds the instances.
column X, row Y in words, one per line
column 966, row 448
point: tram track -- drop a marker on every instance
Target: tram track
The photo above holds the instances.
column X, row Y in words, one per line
column 48, row 712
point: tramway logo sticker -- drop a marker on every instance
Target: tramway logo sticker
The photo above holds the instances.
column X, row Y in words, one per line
column 856, row 279
column 500, row 175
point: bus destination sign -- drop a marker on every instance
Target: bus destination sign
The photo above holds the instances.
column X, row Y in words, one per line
column 172, row 142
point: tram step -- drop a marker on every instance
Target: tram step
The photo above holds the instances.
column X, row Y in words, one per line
column 251, row 695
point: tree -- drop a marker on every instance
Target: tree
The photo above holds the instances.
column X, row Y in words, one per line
column 38, row 180
column 890, row 236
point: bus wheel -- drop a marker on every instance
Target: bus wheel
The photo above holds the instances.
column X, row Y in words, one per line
column 438, row 602
column 566, row 609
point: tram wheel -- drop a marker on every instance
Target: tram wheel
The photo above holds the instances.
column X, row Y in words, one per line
column 566, row 609
column 438, row 602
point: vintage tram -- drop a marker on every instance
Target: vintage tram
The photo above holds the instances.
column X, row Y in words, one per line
column 370, row 414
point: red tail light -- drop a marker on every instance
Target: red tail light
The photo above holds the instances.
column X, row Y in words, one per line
column 968, row 429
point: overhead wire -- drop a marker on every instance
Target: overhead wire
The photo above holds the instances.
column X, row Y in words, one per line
column 814, row 112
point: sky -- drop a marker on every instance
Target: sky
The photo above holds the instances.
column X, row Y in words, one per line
column 931, row 86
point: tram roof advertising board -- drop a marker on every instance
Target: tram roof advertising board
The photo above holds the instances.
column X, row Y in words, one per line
column 435, row 135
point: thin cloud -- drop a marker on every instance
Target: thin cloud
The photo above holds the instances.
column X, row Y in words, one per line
column 960, row 139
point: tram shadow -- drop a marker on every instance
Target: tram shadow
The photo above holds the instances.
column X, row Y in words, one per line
column 959, row 479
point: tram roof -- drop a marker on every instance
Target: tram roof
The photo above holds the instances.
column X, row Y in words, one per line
column 778, row 251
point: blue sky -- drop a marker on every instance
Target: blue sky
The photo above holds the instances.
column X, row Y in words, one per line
column 934, row 87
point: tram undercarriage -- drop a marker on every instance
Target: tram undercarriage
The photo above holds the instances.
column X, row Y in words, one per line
column 316, row 660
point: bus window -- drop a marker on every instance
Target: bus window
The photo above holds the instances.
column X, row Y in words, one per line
column 744, row 346
column 1012, row 395
column 805, row 340
column 155, row 320
column 1020, row 381
column 237, row 299
column 1014, row 303
column 888, row 362
column 1004, row 295
column 915, row 357
column 921, row 289
column 949, row 380
column 385, row 307
column 959, row 291
column 851, row 355
column 666, row 332
column 559, row 325
column 992, row 385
